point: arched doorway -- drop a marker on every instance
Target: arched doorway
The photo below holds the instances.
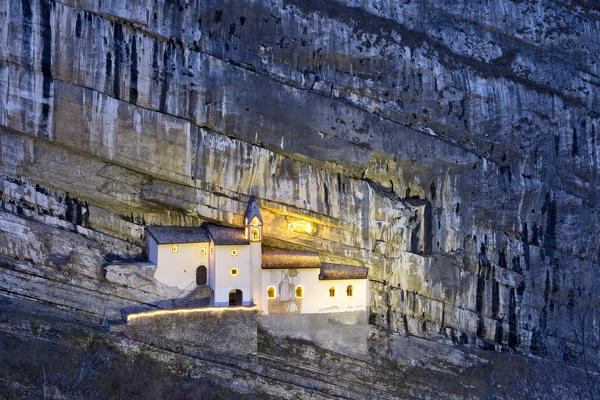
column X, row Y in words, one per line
column 201, row 275
column 235, row 297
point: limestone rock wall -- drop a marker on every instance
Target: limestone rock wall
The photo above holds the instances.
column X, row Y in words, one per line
column 451, row 148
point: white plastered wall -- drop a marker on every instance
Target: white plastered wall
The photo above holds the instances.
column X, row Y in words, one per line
column 212, row 271
column 179, row 269
column 256, row 261
column 224, row 282
column 316, row 292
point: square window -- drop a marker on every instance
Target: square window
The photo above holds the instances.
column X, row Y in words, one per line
column 234, row 252
column 234, row 271
column 174, row 248
column 203, row 251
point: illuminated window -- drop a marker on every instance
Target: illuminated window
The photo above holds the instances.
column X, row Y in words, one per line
column 234, row 252
column 203, row 251
column 234, row 271
column 255, row 234
column 255, row 221
column 271, row 292
column 299, row 292
column 331, row 291
column 350, row 291
column 174, row 248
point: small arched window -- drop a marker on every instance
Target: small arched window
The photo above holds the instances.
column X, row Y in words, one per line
column 299, row 291
column 349, row 291
column 331, row 291
column 255, row 234
column 271, row 292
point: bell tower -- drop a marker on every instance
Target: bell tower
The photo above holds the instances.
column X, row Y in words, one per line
column 253, row 222
column 253, row 230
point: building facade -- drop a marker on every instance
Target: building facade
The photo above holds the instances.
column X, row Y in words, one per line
column 241, row 271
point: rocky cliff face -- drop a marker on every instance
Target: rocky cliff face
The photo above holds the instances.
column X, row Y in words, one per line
column 453, row 149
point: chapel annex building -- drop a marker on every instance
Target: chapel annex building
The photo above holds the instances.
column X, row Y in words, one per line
column 241, row 271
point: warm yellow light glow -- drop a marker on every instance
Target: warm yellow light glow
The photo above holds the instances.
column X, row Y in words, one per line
column 203, row 251
column 331, row 291
column 255, row 221
column 234, row 252
column 271, row 292
column 300, row 226
column 350, row 291
column 255, row 234
column 174, row 248
column 299, row 292
column 188, row 311
column 234, row 271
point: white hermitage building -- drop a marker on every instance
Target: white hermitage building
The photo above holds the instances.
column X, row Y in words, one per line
column 241, row 271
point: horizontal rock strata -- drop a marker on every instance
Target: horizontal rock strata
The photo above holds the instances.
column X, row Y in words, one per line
column 450, row 148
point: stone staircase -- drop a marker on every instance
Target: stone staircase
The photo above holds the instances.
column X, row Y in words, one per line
column 200, row 296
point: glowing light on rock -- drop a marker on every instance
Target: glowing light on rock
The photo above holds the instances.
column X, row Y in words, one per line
column 300, row 226
column 148, row 314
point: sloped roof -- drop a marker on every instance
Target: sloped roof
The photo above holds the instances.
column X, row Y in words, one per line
column 223, row 235
column 340, row 271
column 276, row 258
column 178, row 234
column 252, row 211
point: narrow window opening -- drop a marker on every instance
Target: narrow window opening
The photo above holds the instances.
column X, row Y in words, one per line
column 332, row 291
column 299, row 292
column 350, row 291
column 174, row 248
column 271, row 292
column 234, row 252
column 203, row 251
column 255, row 234
column 234, row 271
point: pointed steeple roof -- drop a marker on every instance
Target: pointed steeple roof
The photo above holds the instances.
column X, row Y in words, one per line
column 252, row 211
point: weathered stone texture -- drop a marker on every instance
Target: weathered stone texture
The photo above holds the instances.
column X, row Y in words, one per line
column 345, row 333
column 453, row 148
column 224, row 334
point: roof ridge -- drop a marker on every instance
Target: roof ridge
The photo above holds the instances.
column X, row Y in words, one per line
column 226, row 235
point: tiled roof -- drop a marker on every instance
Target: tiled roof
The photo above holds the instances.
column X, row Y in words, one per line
column 178, row 234
column 339, row 271
column 223, row 235
column 276, row 258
